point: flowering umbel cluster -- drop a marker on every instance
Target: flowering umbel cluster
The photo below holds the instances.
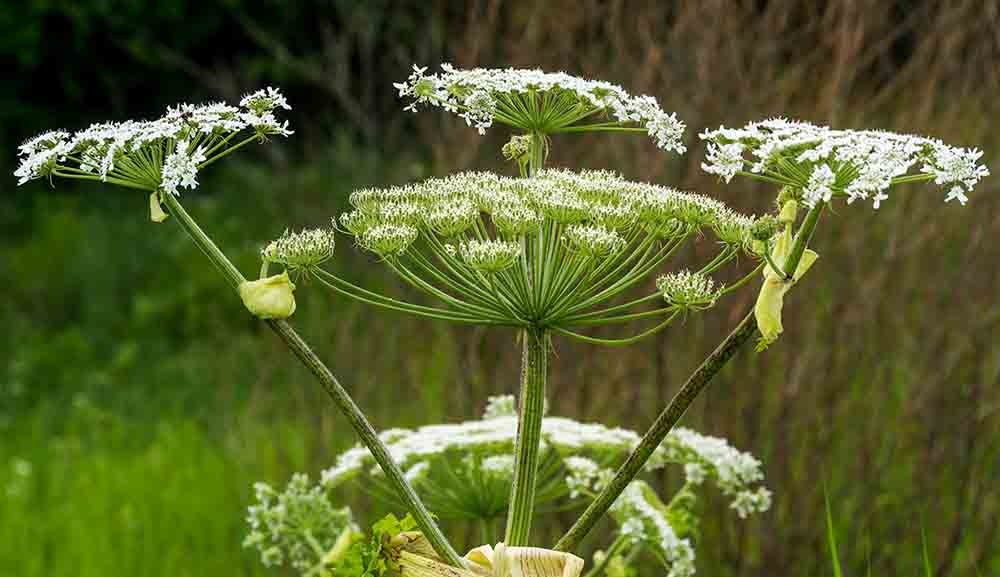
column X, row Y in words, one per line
column 540, row 102
column 464, row 471
column 161, row 156
column 298, row 525
column 542, row 250
column 822, row 163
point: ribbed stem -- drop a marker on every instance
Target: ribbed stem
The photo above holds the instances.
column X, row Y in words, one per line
column 534, row 362
column 536, row 158
column 332, row 387
column 680, row 403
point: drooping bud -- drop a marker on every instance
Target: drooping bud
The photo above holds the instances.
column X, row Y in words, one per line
column 270, row 297
column 518, row 149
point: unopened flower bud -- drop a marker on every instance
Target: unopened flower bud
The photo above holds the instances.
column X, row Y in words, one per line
column 270, row 297
column 789, row 211
column 517, row 147
column 765, row 228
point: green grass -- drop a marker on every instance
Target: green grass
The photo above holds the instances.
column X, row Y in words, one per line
column 108, row 497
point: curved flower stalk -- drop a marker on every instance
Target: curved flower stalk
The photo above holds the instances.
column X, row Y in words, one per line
column 464, row 471
column 164, row 155
column 819, row 163
column 541, row 103
column 813, row 165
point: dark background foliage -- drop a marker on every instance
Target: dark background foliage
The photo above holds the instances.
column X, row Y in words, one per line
column 145, row 401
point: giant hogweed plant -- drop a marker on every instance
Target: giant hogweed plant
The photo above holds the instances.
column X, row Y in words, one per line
column 549, row 254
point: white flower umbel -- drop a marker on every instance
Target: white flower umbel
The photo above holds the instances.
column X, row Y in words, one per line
column 824, row 163
column 586, row 451
column 158, row 156
column 299, row 525
column 464, row 471
column 646, row 520
column 540, row 102
column 181, row 168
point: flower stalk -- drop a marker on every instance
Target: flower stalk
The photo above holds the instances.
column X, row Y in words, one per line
column 534, row 363
column 693, row 387
column 330, row 384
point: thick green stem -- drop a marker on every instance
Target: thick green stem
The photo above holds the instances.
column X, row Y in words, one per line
column 330, row 384
column 680, row 403
column 536, row 158
column 529, row 434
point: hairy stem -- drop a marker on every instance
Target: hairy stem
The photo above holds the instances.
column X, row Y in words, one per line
column 529, row 434
column 330, row 384
column 680, row 403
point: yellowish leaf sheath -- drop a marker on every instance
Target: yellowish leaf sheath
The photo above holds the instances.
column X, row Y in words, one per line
column 156, row 212
column 270, row 297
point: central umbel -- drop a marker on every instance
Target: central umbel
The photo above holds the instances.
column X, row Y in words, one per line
column 545, row 253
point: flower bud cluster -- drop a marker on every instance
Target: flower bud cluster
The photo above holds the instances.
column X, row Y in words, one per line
column 596, row 210
column 824, row 163
column 489, row 255
column 300, row 250
column 688, row 290
column 481, row 96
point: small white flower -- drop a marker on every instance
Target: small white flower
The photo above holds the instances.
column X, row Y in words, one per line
column 265, row 100
column 181, row 168
column 695, row 473
column 500, row 406
column 501, row 465
column 724, row 160
column 956, row 193
column 820, row 187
